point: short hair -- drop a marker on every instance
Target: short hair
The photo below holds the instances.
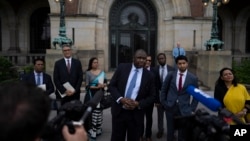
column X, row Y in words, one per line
column 181, row 57
column 24, row 111
column 161, row 54
column 66, row 45
column 38, row 59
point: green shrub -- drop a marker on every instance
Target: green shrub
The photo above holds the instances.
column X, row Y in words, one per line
column 242, row 71
column 28, row 68
column 7, row 71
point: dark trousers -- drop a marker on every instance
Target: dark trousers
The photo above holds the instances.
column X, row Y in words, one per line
column 160, row 118
column 173, row 124
column 125, row 124
column 149, row 122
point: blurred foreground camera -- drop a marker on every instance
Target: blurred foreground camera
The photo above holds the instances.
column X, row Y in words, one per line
column 204, row 126
column 71, row 111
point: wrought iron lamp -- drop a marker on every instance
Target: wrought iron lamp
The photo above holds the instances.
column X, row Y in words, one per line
column 62, row 38
column 214, row 41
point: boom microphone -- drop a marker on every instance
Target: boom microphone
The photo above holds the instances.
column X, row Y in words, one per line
column 211, row 103
column 204, row 98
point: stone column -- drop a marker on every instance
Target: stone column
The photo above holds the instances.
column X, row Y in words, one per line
column 209, row 63
column 14, row 45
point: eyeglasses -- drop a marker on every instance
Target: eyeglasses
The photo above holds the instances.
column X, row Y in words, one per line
column 148, row 60
column 66, row 50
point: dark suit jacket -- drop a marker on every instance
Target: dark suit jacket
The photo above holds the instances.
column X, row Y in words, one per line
column 169, row 96
column 158, row 83
column 61, row 75
column 117, row 88
column 30, row 78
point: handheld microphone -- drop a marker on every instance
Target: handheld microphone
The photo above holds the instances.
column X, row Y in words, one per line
column 91, row 105
column 211, row 103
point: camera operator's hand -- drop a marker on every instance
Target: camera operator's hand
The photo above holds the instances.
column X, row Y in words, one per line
column 79, row 135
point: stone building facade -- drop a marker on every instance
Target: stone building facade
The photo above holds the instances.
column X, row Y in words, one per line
column 113, row 29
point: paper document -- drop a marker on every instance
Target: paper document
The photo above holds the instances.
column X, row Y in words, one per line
column 43, row 86
column 101, row 80
column 67, row 86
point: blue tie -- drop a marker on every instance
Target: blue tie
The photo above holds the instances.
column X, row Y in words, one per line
column 38, row 79
column 132, row 85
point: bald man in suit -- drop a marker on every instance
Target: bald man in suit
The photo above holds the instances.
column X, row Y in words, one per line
column 129, row 103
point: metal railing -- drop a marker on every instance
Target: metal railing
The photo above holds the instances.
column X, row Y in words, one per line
column 20, row 59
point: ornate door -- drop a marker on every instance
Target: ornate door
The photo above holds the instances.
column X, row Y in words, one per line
column 133, row 25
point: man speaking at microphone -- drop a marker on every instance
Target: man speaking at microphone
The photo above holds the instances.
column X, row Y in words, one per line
column 175, row 98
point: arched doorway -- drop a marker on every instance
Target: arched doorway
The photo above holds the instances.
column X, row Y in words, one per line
column 133, row 25
column 40, row 30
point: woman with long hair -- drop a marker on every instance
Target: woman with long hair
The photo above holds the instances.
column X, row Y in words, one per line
column 95, row 81
column 232, row 95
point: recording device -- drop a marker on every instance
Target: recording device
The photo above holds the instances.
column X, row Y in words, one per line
column 70, row 114
column 204, row 126
column 212, row 103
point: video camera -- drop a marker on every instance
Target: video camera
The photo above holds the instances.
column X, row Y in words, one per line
column 204, row 126
column 71, row 113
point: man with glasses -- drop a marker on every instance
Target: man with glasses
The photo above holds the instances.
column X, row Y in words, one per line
column 68, row 76
column 148, row 110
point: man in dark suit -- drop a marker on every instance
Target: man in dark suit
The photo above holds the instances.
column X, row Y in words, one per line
column 132, row 88
column 175, row 98
column 160, row 72
column 68, row 70
column 149, row 109
column 39, row 77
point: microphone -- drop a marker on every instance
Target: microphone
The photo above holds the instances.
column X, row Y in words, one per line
column 211, row 103
column 90, row 106
column 207, row 100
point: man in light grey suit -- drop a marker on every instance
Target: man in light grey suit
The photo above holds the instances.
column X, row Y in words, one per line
column 175, row 98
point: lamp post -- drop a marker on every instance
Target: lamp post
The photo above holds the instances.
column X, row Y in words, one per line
column 62, row 38
column 214, row 41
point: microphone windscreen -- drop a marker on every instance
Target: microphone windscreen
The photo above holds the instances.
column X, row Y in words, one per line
column 96, row 99
column 204, row 98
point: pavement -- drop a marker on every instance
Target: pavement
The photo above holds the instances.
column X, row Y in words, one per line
column 106, row 127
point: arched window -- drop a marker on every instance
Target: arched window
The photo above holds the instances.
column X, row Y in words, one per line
column 133, row 25
column 248, row 36
column 40, row 31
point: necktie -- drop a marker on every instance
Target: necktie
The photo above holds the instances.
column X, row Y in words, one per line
column 179, row 53
column 68, row 66
column 180, row 82
column 162, row 75
column 132, row 85
column 38, row 80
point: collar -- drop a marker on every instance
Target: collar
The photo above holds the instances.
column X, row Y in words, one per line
column 68, row 59
column 134, row 68
column 184, row 73
column 165, row 66
column 41, row 73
